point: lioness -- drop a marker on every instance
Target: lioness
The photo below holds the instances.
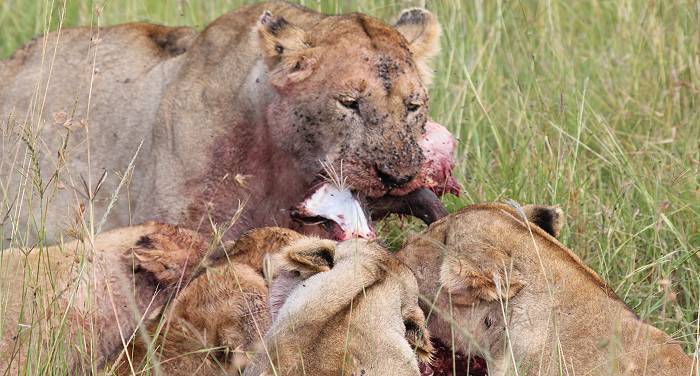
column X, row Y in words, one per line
column 507, row 290
column 260, row 96
column 222, row 317
column 76, row 305
column 345, row 309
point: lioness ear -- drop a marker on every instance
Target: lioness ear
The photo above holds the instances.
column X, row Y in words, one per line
column 549, row 218
column 422, row 31
column 488, row 276
column 307, row 256
column 287, row 54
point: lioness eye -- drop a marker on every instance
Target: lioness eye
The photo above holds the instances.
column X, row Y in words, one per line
column 349, row 102
column 413, row 106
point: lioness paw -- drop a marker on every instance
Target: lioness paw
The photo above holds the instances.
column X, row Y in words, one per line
column 418, row 336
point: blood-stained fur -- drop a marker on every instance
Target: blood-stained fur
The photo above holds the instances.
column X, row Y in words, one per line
column 239, row 115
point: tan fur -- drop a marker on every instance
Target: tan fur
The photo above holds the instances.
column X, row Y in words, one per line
column 560, row 316
column 220, row 318
column 224, row 114
column 211, row 328
column 253, row 247
column 348, row 319
column 85, row 297
column 214, row 325
column 307, row 256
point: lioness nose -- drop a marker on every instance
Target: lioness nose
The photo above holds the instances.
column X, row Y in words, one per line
column 390, row 180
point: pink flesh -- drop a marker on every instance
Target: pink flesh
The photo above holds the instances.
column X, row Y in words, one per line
column 345, row 212
column 436, row 174
column 341, row 207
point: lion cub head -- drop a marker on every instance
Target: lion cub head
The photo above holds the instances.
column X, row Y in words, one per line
column 349, row 305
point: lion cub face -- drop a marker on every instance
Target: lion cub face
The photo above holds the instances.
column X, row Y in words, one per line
column 349, row 306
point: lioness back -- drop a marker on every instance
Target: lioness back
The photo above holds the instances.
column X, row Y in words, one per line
column 44, row 94
column 122, row 73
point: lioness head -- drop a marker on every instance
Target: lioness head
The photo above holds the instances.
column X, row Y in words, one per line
column 462, row 267
column 295, row 98
column 503, row 288
column 353, row 89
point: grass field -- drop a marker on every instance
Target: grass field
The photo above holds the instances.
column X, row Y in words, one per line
column 593, row 105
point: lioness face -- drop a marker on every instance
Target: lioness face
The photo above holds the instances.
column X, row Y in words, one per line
column 350, row 90
column 464, row 267
column 370, row 116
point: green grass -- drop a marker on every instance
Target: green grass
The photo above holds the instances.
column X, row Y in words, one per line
column 593, row 105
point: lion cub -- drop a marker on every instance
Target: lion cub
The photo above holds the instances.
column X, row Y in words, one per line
column 220, row 318
column 349, row 307
column 506, row 290
column 223, row 316
column 68, row 308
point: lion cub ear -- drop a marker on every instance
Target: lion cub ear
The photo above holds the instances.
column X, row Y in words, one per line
column 287, row 54
column 422, row 31
column 307, row 256
column 549, row 218
column 485, row 274
column 170, row 254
